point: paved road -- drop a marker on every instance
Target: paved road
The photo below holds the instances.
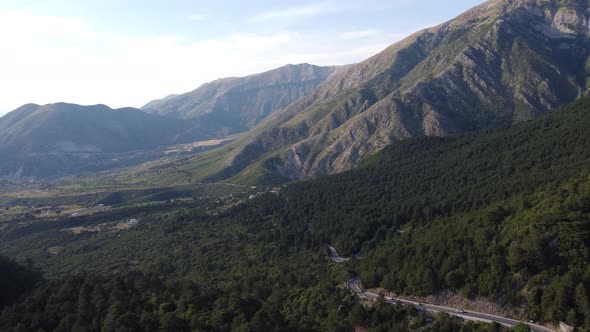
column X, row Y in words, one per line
column 335, row 257
column 354, row 285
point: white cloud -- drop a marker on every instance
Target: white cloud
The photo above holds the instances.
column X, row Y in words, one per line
column 292, row 13
column 358, row 34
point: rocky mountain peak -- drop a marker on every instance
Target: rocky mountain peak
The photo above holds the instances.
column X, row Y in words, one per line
column 575, row 21
column 233, row 105
column 568, row 18
column 552, row 18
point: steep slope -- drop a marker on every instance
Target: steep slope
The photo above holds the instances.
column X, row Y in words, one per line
column 502, row 214
column 498, row 64
column 52, row 140
column 155, row 104
column 234, row 105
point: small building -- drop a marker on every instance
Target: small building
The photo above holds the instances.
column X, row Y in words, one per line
column 132, row 222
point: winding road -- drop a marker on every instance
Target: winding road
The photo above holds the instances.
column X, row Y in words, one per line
column 354, row 285
column 335, row 257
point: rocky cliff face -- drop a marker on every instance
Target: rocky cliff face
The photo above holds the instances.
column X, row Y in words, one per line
column 233, row 105
column 502, row 62
column 559, row 19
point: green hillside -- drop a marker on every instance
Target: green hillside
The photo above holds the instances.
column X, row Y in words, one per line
column 501, row 214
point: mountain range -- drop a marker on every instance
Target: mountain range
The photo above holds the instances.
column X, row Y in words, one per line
column 50, row 141
column 234, row 105
column 499, row 63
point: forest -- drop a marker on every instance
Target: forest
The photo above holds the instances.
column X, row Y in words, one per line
column 501, row 214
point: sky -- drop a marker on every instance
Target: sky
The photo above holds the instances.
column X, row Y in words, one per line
column 126, row 53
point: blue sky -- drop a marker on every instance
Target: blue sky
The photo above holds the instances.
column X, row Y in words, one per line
column 125, row 53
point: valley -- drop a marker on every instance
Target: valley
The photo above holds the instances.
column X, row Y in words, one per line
column 442, row 184
column 281, row 230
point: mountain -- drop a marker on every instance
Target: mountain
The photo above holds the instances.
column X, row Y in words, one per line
column 234, row 105
column 500, row 63
column 155, row 104
column 56, row 139
column 62, row 139
column 502, row 214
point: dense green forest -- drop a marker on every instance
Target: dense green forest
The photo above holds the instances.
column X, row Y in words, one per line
column 501, row 214
column 249, row 284
column 213, row 275
column 147, row 302
column 539, row 244
column 491, row 214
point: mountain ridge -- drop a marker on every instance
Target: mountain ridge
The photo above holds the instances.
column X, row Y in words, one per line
column 489, row 67
column 46, row 140
column 222, row 109
column 236, row 104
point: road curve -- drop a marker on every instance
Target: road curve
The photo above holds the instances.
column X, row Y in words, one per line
column 354, row 285
column 335, row 257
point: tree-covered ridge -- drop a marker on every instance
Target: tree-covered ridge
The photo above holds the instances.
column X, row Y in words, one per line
column 489, row 214
column 539, row 245
column 423, row 179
